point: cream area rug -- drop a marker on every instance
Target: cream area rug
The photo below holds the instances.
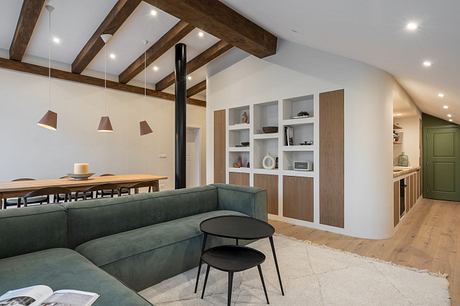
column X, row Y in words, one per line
column 312, row 275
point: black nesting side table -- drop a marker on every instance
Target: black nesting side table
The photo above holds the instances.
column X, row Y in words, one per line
column 231, row 259
column 238, row 228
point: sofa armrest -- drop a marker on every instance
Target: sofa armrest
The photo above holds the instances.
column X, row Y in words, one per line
column 251, row 201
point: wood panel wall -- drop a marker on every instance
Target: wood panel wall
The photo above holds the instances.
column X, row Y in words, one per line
column 237, row 178
column 298, row 197
column 331, row 158
column 219, row 146
column 269, row 183
column 396, row 196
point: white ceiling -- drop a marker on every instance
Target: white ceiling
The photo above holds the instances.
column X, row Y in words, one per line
column 127, row 43
column 373, row 31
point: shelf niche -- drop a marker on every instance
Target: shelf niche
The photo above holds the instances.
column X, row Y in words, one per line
column 262, row 147
column 291, row 156
column 236, row 137
column 292, row 106
column 235, row 115
column 265, row 114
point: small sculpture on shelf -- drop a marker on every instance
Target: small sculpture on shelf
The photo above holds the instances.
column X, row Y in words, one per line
column 244, row 118
column 238, row 163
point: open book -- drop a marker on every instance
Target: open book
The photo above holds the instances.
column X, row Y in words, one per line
column 44, row 296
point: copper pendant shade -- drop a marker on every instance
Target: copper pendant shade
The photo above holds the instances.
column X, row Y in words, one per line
column 105, row 126
column 49, row 121
column 144, row 128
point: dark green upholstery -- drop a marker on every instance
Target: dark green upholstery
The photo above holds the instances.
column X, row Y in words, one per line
column 174, row 244
column 65, row 269
column 140, row 239
column 249, row 201
column 102, row 217
column 32, row 229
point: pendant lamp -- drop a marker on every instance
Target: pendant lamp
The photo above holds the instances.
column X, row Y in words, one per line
column 105, row 126
column 49, row 120
column 144, row 127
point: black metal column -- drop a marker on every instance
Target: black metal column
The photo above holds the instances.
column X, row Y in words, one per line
column 181, row 111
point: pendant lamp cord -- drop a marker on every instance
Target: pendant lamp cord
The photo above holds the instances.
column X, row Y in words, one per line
column 105, row 78
column 49, row 59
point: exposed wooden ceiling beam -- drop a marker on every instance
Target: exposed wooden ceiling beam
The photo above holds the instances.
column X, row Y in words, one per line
column 117, row 16
column 196, row 89
column 167, row 41
column 69, row 76
column 28, row 17
column 221, row 21
column 199, row 61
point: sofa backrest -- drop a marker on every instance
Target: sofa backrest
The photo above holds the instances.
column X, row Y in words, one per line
column 32, row 229
column 93, row 219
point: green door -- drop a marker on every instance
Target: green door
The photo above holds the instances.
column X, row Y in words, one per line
column 442, row 166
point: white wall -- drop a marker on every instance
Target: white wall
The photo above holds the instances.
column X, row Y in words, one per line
column 369, row 92
column 30, row 151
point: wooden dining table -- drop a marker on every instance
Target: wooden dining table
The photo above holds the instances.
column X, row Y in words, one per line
column 21, row 188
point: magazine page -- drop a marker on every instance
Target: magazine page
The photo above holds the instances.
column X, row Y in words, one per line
column 70, row 298
column 29, row 296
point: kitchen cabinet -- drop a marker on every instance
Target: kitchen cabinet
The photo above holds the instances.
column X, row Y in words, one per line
column 269, row 183
column 236, row 178
column 406, row 192
column 298, row 197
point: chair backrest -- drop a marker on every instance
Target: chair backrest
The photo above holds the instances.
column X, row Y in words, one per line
column 150, row 185
column 113, row 188
column 47, row 192
column 23, row 179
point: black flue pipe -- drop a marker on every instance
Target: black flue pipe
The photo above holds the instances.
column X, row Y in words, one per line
column 181, row 128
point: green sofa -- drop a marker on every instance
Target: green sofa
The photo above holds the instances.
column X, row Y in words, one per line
column 117, row 246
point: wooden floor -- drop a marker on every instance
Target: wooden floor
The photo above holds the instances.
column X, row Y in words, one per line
column 428, row 238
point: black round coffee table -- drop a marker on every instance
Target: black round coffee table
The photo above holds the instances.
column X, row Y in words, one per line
column 231, row 259
column 238, row 227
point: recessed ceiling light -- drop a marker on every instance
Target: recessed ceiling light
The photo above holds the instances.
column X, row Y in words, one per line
column 189, row 77
column 201, row 34
column 56, row 40
column 412, row 26
column 445, row 107
column 153, row 12
column 451, row 120
column 155, row 68
column 441, row 95
column 449, row 115
column 112, row 56
column 427, row 63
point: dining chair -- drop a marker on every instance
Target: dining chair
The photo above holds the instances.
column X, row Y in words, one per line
column 57, row 193
column 73, row 196
column 151, row 185
column 17, row 201
column 122, row 191
column 96, row 191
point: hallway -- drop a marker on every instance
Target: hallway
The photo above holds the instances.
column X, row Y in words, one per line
column 428, row 238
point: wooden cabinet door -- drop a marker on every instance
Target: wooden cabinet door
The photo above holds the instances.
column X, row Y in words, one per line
column 298, row 197
column 396, row 202
column 237, row 178
column 331, row 158
column 219, row 146
column 269, row 183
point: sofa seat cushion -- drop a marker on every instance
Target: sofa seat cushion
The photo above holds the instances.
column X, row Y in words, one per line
column 107, row 250
column 65, row 269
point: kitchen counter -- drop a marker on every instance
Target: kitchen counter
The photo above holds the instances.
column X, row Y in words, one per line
column 399, row 171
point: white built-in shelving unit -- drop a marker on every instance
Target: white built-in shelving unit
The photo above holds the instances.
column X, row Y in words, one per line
column 276, row 113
